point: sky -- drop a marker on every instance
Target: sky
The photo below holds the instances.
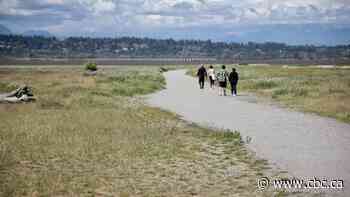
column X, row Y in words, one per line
column 291, row 21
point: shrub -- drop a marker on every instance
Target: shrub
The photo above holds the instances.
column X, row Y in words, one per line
column 91, row 66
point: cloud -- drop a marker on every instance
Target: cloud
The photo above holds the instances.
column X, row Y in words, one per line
column 173, row 17
column 35, row 10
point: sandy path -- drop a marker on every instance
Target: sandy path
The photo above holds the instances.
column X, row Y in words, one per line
column 303, row 144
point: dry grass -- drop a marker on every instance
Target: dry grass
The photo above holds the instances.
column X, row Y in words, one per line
column 82, row 138
column 324, row 91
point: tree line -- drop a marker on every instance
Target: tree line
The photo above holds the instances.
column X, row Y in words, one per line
column 85, row 47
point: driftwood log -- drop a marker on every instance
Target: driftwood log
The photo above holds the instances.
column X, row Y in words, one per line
column 22, row 94
column 90, row 73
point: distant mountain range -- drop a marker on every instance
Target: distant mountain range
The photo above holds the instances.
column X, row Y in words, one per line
column 295, row 34
column 4, row 30
column 292, row 34
column 37, row 33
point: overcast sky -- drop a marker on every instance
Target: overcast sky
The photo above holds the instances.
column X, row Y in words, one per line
column 205, row 19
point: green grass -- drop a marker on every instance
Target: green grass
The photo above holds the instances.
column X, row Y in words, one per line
column 134, row 83
column 91, row 136
column 7, row 87
column 324, row 91
column 262, row 84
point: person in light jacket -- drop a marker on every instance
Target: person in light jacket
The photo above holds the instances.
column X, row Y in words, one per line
column 211, row 74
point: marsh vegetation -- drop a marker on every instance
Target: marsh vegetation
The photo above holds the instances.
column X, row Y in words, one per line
column 92, row 136
column 324, row 91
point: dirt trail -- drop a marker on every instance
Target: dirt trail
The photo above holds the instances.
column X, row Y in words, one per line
column 303, row 144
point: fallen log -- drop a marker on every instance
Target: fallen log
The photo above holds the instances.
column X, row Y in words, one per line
column 22, row 94
column 90, row 73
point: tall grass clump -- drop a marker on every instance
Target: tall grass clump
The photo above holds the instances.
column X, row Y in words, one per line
column 7, row 87
column 279, row 92
column 229, row 136
column 299, row 91
column 134, row 83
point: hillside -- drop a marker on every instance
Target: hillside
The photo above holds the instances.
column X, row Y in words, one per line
column 37, row 33
column 4, row 30
column 131, row 47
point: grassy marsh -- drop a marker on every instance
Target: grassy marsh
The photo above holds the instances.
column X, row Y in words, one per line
column 88, row 136
column 324, row 91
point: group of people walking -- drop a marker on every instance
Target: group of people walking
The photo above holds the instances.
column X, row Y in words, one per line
column 220, row 78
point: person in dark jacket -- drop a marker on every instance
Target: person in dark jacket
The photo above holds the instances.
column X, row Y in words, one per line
column 202, row 74
column 233, row 78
